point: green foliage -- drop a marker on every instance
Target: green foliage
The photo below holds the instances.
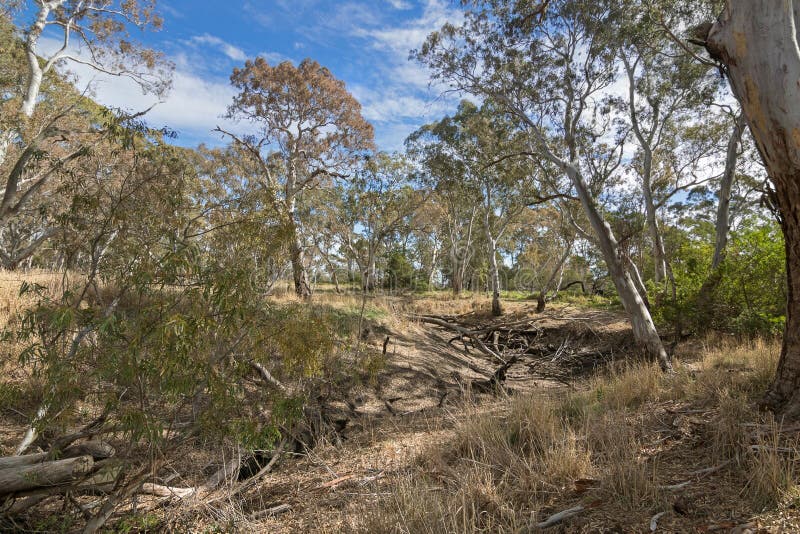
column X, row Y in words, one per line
column 160, row 330
column 747, row 293
column 399, row 271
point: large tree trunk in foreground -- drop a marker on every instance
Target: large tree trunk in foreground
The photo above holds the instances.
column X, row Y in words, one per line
column 644, row 331
column 757, row 41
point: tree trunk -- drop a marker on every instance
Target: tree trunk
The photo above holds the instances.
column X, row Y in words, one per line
column 644, row 331
column 457, row 282
column 497, row 307
column 541, row 300
column 646, row 144
column 659, row 253
column 723, row 208
column 29, row 477
column 757, row 41
column 432, row 271
column 301, row 286
column 494, row 271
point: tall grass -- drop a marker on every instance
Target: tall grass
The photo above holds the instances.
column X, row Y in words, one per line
column 539, row 453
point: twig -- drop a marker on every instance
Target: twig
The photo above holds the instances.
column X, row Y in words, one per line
column 699, row 474
column 275, row 510
column 267, row 376
column 654, row 521
column 675, row 487
column 560, row 516
column 335, row 482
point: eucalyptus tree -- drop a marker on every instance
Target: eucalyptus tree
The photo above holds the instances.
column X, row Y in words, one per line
column 378, row 201
column 99, row 26
column 46, row 124
column 236, row 219
column 309, row 130
column 551, row 69
column 471, row 147
column 756, row 42
column 668, row 93
column 429, row 228
column 459, row 221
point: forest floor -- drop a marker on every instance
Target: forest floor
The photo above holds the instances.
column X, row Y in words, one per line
column 448, row 438
column 425, row 452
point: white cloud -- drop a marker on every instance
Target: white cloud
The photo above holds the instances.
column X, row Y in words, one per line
column 195, row 106
column 399, row 4
column 233, row 52
column 274, row 58
column 402, row 98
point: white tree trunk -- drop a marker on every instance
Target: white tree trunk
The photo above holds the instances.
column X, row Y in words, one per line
column 646, row 144
column 434, row 259
column 644, row 331
column 757, row 41
column 494, row 271
column 725, row 188
column 299, row 275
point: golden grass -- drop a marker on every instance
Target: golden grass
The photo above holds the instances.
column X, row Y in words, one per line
column 504, row 469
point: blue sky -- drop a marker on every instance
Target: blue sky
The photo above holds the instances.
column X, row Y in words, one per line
column 365, row 43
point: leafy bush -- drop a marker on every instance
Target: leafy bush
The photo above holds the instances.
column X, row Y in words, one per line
column 745, row 295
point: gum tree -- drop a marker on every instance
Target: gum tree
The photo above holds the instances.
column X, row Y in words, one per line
column 471, row 148
column 756, row 41
column 308, row 129
column 39, row 132
column 550, row 68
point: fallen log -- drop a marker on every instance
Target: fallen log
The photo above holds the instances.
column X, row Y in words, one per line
column 98, row 450
column 463, row 331
column 14, row 462
column 29, row 477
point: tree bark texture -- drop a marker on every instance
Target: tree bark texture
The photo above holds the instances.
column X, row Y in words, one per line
column 27, row 477
column 757, row 40
column 301, row 286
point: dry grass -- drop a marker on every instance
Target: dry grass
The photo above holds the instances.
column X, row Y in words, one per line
column 601, row 447
column 611, row 446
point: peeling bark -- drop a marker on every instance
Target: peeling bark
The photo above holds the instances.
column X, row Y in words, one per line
column 757, row 42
